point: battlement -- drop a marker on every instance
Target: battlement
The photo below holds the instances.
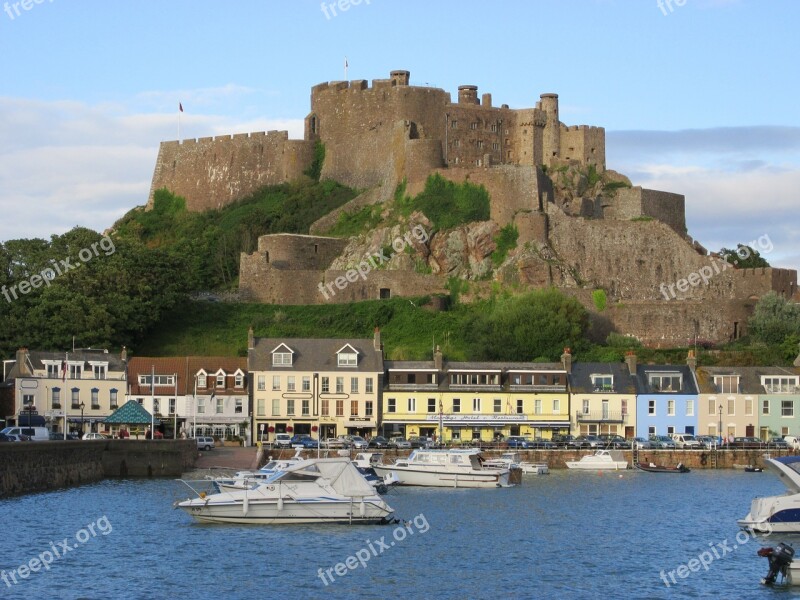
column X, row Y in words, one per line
column 255, row 135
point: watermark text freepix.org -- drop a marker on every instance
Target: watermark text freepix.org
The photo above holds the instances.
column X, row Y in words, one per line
column 12, row 8
column 665, row 5
column 59, row 267
column 342, row 5
column 718, row 265
column 374, row 548
column 57, row 551
column 373, row 261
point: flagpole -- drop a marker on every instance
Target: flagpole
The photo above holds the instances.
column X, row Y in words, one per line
column 180, row 110
column 345, row 68
column 194, row 409
column 152, row 401
column 175, row 414
column 64, row 380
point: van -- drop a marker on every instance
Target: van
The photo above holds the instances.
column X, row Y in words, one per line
column 205, row 443
column 37, row 434
column 283, row 440
column 686, row 440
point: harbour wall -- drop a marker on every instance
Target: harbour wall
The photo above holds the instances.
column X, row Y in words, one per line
column 41, row 466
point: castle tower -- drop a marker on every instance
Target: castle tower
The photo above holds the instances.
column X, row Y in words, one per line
column 551, row 145
column 468, row 94
column 400, row 77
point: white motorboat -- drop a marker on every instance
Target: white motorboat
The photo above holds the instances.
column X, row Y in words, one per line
column 600, row 460
column 249, row 479
column 514, row 459
column 445, row 468
column 318, row 490
column 778, row 514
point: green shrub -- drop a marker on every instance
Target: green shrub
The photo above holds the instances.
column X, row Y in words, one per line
column 447, row 204
column 599, row 299
column 505, row 240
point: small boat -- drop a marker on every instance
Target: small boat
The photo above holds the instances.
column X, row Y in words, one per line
column 445, row 468
column 600, row 460
column 654, row 468
column 781, row 562
column 319, row 490
column 752, row 469
column 509, row 459
column 777, row 514
column 249, row 479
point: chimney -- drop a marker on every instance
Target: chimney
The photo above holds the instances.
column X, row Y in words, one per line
column 566, row 360
column 691, row 360
column 251, row 340
column 377, row 339
column 630, row 359
column 797, row 361
column 437, row 358
column 23, row 369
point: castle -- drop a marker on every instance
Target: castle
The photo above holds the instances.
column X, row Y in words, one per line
column 625, row 240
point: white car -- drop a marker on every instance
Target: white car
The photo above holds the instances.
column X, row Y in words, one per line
column 357, row 442
column 283, row 440
column 93, row 436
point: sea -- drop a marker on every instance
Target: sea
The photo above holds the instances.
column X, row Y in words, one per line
column 568, row 534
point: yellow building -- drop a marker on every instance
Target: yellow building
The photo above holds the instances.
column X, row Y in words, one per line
column 474, row 400
column 322, row 387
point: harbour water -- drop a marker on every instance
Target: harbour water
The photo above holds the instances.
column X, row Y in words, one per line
column 564, row 535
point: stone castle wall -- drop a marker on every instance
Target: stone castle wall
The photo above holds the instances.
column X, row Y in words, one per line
column 213, row 172
column 638, row 202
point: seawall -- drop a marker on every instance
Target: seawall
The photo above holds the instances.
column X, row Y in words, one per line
column 41, row 466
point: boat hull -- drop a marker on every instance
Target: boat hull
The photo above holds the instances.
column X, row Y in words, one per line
column 450, row 479
column 598, row 466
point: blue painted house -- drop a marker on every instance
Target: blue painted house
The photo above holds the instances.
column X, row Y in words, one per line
column 666, row 398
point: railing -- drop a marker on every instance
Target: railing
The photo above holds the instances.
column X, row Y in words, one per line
column 467, row 387
column 413, row 386
column 610, row 416
column 536, row 388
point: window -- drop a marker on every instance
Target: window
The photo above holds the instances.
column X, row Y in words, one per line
column 476, row 405
column 290, row 383
column 495, row 146
column 651, row 430
column 519, row 406
column 603, row 383
column 585, row 407
column 53, row 371
column 276, row 383
column 368, row 385
column 55, row 397
column 201, row 380
column 391, row 405
column 276, row 407
column 727, row 384
column 765, row 407
column 368, row 408
column 479, row 143
column 473, row 125
column 290, row 406
column 172, row 405
column 787, row 408
column 412, row 405
column 780, row 385
column 731, row 406
column 27, row 399
column 494, row 127
column 353, row 408
column 671, row 408
column 340, row 408
column 712, row 406
column 690, row 408
column 239, row 380
column 326, row 384
column 306, row 383
column 670, row 430
column 75, row 371
column 604, row 408
column 665, row 382
column 237, row 407
column 537, row 406
column 651, row 407
column 498, row 405
column 340, row 385
column 354, row 385
column 160, row 380
column 624, row 405
column 99, row 371
column 557, row 406
column 262, row 384
column 325, row 407
column 201, row 406
column 95, row 398
column 305, row 407
column 156, row 406
column 748, row 407
column 454, row 124
column 281, row 359
column 456, row 405
column 76, row 397
column 220, row 407
column 431, row 405
column 348, row 359
column 259, row 407
column 220, row 380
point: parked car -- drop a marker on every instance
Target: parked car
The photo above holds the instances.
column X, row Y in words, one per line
column 93, row 436
column 36, row 434
column 282, row 440
column 746, row 442
column 399, row 443
column 303, row 440
column 5, row 438
column 778, row 444
column 542, row 444
column 686, row 441
column 615, row 441
column 205, row 443
column 566, row 441
column 709, row 442
column 590, row 441
column 17, row 437
column 642, row 444
column 420, row 442
column 518, row 441
column 663, row 442
column 335, row 442
column 378, row 442
column 357, row 442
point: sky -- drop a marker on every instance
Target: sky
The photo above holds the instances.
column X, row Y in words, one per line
column 698, row 97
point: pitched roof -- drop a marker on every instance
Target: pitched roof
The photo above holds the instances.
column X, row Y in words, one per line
column 642, row 380
column 580, row 379
column 749, row 377
column 315, row 354
column 131, row 413
column 186, row 367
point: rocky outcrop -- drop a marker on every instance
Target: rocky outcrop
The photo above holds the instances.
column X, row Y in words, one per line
column 464, row 252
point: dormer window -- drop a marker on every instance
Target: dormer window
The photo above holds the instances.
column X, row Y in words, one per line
column 99, row 369
column 282, row 356
column 727, row 384
column 780, row 385
column 603, row 383
column 347, row 356
column 665, row 382
column 202, row 379
column 238, row 379
column 220, row 379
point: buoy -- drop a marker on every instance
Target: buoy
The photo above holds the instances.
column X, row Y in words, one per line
column 202, row 494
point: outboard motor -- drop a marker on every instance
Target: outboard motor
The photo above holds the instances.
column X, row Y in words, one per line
column 780, row 557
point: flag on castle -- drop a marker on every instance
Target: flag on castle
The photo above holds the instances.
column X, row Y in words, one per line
column 180, row 107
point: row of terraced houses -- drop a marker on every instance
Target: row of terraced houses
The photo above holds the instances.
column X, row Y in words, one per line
column 330, row 387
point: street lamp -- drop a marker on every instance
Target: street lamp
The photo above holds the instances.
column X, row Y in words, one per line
column 719, row 431
column 82, row 406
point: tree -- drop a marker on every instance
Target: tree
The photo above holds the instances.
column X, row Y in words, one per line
column 775, row 319
column 744, row 257
column 537, row 324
